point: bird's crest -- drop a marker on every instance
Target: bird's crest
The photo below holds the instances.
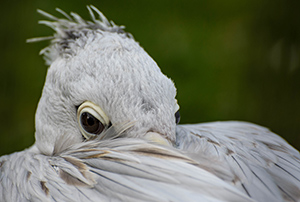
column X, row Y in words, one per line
column 72, row 27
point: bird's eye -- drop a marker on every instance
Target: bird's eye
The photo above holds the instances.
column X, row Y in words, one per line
column 177, row 114
column 90, row 124
column 91, row 119
column 177, row 117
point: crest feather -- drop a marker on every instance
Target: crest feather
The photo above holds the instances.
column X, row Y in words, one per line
column 73, row 27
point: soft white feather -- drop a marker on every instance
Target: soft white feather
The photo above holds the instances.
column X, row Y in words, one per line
column 97, row 61
column 252, row 158
column 118, row 170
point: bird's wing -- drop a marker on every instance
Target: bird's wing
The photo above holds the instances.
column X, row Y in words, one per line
column 111, row 170
column 246, row 155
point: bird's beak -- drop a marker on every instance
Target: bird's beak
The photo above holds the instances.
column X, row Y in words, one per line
column 157, row 138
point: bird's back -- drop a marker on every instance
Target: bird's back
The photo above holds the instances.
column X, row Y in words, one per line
column 250, row 157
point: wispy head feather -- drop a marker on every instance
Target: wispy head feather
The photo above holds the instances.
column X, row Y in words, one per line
column 73, row 27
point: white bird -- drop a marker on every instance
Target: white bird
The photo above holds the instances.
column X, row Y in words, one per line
column 106, row 131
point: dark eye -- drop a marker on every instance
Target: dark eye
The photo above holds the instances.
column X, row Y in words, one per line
column 177, row 117
column 91, row 120
column 91, row 124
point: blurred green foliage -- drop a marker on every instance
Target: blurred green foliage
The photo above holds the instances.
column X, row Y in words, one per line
column 230, row 60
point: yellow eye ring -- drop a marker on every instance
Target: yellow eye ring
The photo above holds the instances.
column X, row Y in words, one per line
column 91, row 119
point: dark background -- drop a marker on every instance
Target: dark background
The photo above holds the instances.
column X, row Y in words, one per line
column 230, row 60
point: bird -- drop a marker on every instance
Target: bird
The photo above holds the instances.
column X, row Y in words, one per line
column 107, row 129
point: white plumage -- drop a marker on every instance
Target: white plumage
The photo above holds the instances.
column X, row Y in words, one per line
column 106, row 131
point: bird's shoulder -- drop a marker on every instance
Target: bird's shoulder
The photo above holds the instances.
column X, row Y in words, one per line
column 249, row 156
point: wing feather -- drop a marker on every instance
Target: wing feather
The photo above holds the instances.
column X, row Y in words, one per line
column 255, row 160
column 121, row 169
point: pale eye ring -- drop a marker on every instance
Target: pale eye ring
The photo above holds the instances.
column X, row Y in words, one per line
column 177, row 114
column 91, row 119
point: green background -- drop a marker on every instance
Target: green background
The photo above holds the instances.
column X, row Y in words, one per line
column 230, row 60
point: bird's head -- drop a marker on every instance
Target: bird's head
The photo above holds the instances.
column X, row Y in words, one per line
column 100, row 76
